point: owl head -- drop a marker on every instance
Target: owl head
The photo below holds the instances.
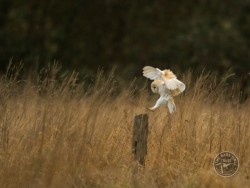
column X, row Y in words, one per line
column 157, row 85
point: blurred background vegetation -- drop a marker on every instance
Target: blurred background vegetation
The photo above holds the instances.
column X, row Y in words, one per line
column 87, row 34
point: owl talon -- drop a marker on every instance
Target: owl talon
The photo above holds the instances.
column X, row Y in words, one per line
column 151, row 109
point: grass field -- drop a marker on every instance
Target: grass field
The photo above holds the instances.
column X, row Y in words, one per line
column 56, row 133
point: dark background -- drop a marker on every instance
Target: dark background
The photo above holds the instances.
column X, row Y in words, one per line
column 87, row 34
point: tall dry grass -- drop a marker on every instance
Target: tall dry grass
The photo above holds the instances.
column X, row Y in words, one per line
column 55, row 132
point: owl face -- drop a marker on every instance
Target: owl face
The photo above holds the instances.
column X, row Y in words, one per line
column 156, row 86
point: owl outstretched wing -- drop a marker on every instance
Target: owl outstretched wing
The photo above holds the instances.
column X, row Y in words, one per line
column 152, row 73
column 174, row 84
column 171, row 81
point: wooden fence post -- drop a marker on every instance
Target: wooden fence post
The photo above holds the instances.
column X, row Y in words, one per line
column 139, row 140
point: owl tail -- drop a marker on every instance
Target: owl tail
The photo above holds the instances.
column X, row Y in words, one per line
column 171, row 105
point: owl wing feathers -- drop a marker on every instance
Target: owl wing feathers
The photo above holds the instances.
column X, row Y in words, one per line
column 174, row 83
column 155, row 73
column 171, row 83
column 152, row 73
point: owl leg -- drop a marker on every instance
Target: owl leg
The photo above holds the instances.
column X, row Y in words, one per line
column 160, row 101
column 171, row 105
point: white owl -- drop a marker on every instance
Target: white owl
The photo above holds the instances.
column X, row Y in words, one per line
column 165, row 84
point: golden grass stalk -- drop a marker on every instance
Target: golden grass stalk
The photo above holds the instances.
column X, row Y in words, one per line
column 55, row 133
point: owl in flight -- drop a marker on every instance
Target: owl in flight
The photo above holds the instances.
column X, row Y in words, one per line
column 165, row 84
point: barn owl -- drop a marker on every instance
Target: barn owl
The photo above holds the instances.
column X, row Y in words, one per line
column 165, row 84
